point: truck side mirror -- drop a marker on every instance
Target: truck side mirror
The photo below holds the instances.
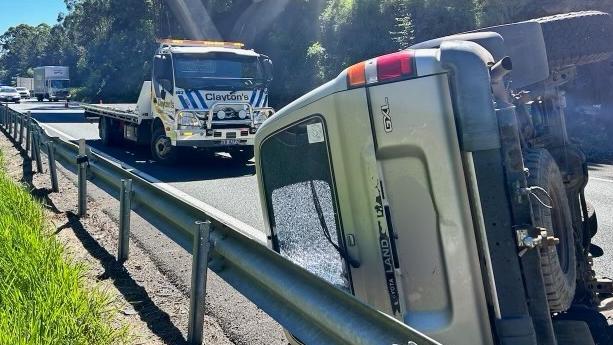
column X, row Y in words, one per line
column 166, row 86
column 268, row 71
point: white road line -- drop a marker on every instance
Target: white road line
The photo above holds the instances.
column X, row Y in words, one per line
column 68, row 136
column 601, row 179
column 56, row 111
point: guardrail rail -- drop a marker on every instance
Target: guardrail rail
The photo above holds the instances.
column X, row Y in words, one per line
column 306, row 305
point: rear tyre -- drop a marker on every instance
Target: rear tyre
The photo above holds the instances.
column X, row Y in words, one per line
column 40, row 99
column 109, row 135
column 161, row 149
column 558, row 263
column 577, row 38
column 243, row 155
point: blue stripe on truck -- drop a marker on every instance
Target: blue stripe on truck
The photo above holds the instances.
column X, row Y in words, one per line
column 201, row 99
column 183, row 102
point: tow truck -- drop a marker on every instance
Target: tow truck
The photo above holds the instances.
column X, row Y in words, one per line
column 438, row 185
column 202, row 95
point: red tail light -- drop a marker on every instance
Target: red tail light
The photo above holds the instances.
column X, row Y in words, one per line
column 395, row 66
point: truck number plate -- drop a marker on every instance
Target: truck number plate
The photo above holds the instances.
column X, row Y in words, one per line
column 230, row 142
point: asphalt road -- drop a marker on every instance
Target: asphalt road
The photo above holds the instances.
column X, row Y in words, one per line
column 214, row 180
column 233, row 189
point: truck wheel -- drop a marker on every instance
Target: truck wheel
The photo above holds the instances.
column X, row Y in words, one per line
column 108, row 135
column 242, row 156
column 161, row 149
column 558, row 263
column 577, row 38
column 40, row 99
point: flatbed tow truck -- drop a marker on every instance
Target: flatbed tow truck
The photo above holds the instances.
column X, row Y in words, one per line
column 202, row 95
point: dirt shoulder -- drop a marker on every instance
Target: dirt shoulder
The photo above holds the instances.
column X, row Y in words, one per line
column 155, row 311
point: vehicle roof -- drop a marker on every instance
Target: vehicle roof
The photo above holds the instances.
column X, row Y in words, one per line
column 204, row 50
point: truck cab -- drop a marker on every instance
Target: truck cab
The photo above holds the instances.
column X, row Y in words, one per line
column 211, row 95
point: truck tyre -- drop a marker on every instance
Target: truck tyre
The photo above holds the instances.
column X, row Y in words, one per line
column 577, row 38
column 161, row 149
column 39, row 98
column 108, row 135
column 243, row 155
column 558, row 262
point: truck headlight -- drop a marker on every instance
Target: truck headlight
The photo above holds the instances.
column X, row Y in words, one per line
column 242, row 114
column 188, row 120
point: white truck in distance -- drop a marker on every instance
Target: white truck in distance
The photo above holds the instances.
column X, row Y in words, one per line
column 28, row 83
column 52, row 83
column 203, row 94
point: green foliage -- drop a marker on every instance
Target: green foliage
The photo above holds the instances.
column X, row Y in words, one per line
column 43, row 299
column 108, row 44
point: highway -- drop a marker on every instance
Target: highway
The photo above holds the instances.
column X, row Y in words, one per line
column 233, row 189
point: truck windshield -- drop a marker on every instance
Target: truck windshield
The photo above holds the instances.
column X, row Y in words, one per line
column 217, row 70
column 58, row 84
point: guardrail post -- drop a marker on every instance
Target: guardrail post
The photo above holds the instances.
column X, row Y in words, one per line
column 28, row 130
column 8, row 119
column 125, row 207
column 21, row 124
column 36, row 153
column 200, row 258
column 14, row 126
column 52, row 166
column 3, row 114
column 82, row 174
column 11, row 123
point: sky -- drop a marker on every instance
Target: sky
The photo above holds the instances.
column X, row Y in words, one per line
column 33, row 12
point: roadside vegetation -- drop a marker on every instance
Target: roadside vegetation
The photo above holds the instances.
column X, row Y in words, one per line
column 43, row 297
column 108, row 44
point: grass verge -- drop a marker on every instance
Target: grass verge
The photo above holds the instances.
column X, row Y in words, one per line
column 43, row 297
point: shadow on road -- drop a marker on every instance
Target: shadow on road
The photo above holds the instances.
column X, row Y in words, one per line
column 59, row 117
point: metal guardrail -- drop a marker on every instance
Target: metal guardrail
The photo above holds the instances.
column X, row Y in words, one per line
column 306, row 305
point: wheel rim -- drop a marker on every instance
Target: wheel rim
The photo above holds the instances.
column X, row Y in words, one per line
column 162, row 147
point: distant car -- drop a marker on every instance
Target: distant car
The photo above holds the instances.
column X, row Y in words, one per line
column 9, row 94
column 23, row 92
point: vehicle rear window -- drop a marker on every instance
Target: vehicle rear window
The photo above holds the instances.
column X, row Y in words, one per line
column 8, row 89
column 301, row 201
